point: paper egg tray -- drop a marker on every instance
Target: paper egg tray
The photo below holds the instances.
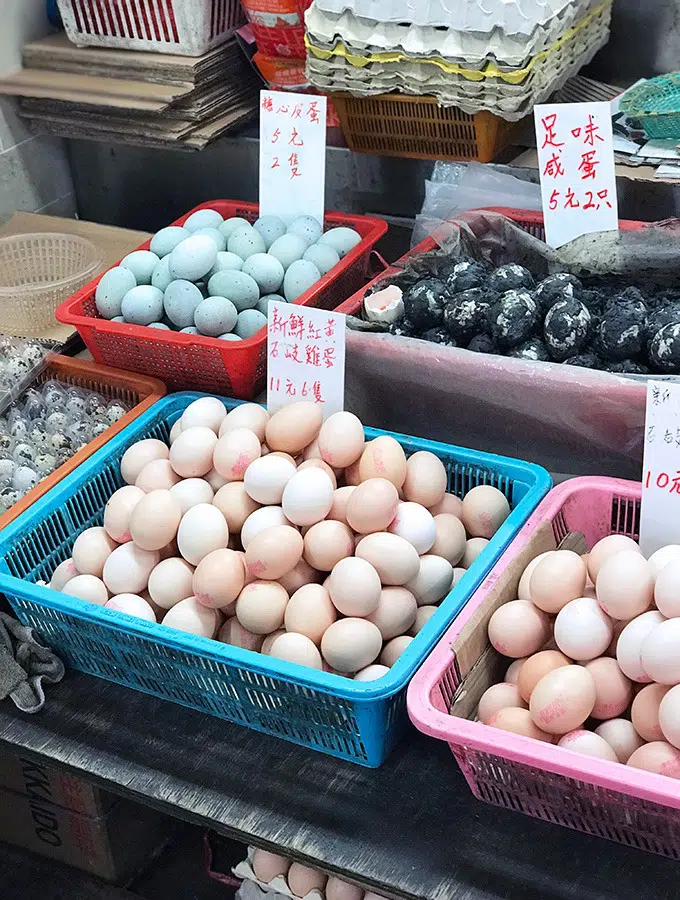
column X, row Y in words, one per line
column 509, row 16
column 470, row 49
column 277, row 886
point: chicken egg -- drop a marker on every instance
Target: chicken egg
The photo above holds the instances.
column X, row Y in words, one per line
column 396, row 612
column 563, row 699
column 581, row 630
column 307, row 497
column 138, row 455
column 296, row 648
column 393, row 650
column 449, row 504
column 625, row 586
column 310, row 612
column 207, row 412
column 158, row 475
column 523, row 592
column 629, row 646
column 658, row 757
column 667, row 588
column 519, row 628
column 234, row 452
column 155, row 520
column 499, row 696
column 261, row 606
column 133, row 605
column 372, row 505
column 473, row 547
column 215, row 480
column 266, row 478
column 485, row 508
column 87, row 587
column 269, row 640
column 423, row 616
column 190, row 616
column 302, row 880
column 302, row 574
column 248, row 415
column 118, row 510
column 170, row 581
column 273, row 552
column 127, row 569
column 268, row 866
column 293, row 427
column 588, row 743
column 351, row 644
column 371, row 673
column 341, row 440
column 90, row 551
column 558, row 579
column 191, row 455
column 660, row 652
column 232, row 632
column 414, row 523
column 534, row 668
column 319, row 464
column 433, row 580
column 669, row 716
column 606, row 548
column 354, row 587
column 219, row 579
column 352, row 474
column 644, row 712
column 190, row 492
column 202, row 529
column 337, row 888
column 621, row 737
column 450, row 538
column 426, row 479
column 662, row 557
column 266, row 517
column 394, row 559
column 338, row 510
column 233, row 502
column 513, row 670
column 613, row 691
column 518, row 721
column 383, row 457
column 64, row 572
column 326, row 543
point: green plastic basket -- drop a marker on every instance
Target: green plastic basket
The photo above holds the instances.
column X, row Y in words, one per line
column 656, row 104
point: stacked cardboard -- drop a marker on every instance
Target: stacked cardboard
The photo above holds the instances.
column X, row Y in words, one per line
column 136, row 97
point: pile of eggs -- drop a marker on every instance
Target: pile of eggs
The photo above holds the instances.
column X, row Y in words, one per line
column 239, row 530
column 18, row 360
column 302, row 880
column 44, row 428
column 215, row 277
column 596, row 643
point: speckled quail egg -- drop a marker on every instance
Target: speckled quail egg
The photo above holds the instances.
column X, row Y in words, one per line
column 45, row 463
column 7, row 467
column 79, row 432
column 99, row 426
column 203, row 218
column 32, row 353
column 342, row 240
column 143, row 304
column 249, row 323
column 24, row 479
column 193, row 258
column 141, row 263
column 15, row 368
column 288, row 249
column 111, row 289
column 217, row 236
column 307, row 227
column 300, row 276
column 266, row 271
column 225, row 260
column 180, row 301
column 39, row 437
column 18, row 428
column 161, row 276
column 271, row 228
column 240, row 288
column 9, row 496
column 75, row 406
column 165, row 240
column 323, row 256
column 6, row 441
column 61, row 441
column 53, row 394
column 23, row 453
column 229, row 226
column 115, row 411
column 245, row 242
column 215, row 316
column 263, row 303
column 56, row 421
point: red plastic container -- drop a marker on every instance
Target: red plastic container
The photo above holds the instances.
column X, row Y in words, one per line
column 194, row 362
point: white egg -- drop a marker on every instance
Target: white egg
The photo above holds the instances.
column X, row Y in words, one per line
column 203, row 529
column 208, row 412
column 416, row 525
column 193, row 258
column 190, row 616
column 266, row 478
column 307, row 497
column 433, row 581
column 141, row 263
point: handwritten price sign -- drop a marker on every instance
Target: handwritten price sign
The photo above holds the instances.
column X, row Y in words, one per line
column 576, row 164
column 660, row 512
column 292, row 155
column 305, row 357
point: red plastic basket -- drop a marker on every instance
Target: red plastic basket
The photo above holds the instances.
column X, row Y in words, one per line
column 194, row 362
column 529, row 220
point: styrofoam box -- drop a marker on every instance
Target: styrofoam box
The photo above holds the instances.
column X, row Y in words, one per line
column 511, row 16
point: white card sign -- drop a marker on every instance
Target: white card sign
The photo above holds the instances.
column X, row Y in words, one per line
column 305, row 357
column 292, row 155
column 576, row 166
column 660, row 511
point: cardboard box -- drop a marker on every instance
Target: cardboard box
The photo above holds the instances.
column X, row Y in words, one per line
column 44, row 784
column 114, row 847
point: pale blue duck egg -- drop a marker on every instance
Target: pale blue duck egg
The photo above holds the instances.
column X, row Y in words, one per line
column 141, row 263
column 342, row 240
column 180, row 301
column 271, row 228
column 307, row 227
column 263, row 303
column 165, row 240
column 161, row 277
column 229, row 226
column 142, row 305
column 161, row 326
column 191, row 329
column 215, row 316
column 217, row 236
column 300, row 276
column 113, row 286
column 245, row 242
column 323, row 256
column 249, row 322
column 226, row 260
column 240, row 288
column 266, row 271
column 288, row 249
column 229, row 337
column 193, row 258
column 203, row 218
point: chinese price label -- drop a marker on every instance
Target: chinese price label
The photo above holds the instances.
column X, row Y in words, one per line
column 576, row 165
column 292, row 155
column 305, row 357
column 660, row 511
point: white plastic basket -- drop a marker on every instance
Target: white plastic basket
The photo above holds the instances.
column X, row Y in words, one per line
column 182, row 27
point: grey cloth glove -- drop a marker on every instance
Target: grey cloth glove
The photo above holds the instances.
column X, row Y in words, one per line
column 24, row 663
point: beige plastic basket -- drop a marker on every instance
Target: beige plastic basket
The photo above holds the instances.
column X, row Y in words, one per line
column 37, row 272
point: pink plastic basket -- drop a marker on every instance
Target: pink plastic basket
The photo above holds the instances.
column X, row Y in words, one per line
column 595, row 796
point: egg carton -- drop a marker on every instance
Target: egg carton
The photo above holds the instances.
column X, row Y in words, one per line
column 509, row 101
column 472, row 49
column 278, row 885
column 519, row 17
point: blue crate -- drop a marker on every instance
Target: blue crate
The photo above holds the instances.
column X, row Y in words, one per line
column 358, row 721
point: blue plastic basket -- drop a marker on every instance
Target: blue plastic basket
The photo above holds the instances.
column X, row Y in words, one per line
column 359, row 721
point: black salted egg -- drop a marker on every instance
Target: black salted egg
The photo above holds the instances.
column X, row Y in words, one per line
column 424, row 303
column 664, row 351
column 669, row 314
column 438, row 336
column 585, row 360
column 533, row 349
column 510, row 277
column 482, row 343
column 623, row 329
column 464, row 275
column 513, row 318
column 628, row 367
column 555, row 287
column 566, row 328
column 465, row 314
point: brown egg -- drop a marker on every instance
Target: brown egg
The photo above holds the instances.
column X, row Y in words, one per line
column 354, row 587
column 485, row 508
column 292, row 428
column 658, row 757
column 352, row 474
column 232, row 632
column 273, row 552
column 326, row 543
column 394, row 559
column 519, row 628
column 396, row 612
column 191, row 454
column 234, row 452
column 269, row 640
column 320, row 464
column 499, row 696
column 613, row 691
column 450, row 538
column 171, row 581
column 118, row 510
column 341, row 440
column 383, row 457
column 523, row 587
column 233, row 502
column 155, row 520
column 90, row 551
column 393, row 650
column 311, row 612
column 138, row 455
column 448, row 504
column 351, row 644
column 644, row 712
column 563, row 699
column 158, row 475
column 219, row 579
column 303, row 573
column 535, row 667
column 261, row 606
column 338, row 510
column 248, row 415
column 426, row 479
column 372, row 505
column 423, row 616
column 557, row 580
column 473, row 547
column 518, row 721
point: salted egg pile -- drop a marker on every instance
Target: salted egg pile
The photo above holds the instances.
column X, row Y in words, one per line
column 302, row 880
column 216, row 277
column 596, row 644
column 283, row 534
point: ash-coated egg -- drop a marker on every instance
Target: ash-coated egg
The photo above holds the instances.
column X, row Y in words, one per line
column 464, row 275
column 664, row 351
column 299, row 277
column 534, row 350
column 112, row 287
column 560, row 286
column 142, row 305
column 142, row 264
column 513, row 318
column 193, row 258
column 623, row 328
column 465, row 314
column 270, row 228
column 566, row 328
column 425, row 302
column 510, row 277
